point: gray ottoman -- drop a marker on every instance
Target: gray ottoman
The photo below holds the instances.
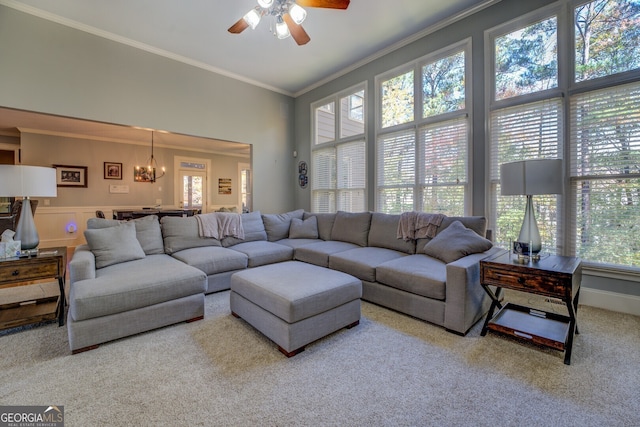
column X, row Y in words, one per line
column 294, row 303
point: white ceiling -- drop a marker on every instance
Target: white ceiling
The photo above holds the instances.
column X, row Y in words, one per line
column 195, row 31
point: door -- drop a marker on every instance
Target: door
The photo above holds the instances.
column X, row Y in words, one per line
column 193, row 189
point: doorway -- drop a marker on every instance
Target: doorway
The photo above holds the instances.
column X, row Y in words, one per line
column 191, row 183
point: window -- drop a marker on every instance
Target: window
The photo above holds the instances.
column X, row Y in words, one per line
column 596, row 87
column 605, row 133
column 338, row 165
column 422, row 163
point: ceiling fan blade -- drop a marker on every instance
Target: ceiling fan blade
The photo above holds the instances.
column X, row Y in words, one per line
column 297, row 32
column 329, row 4
column 239, row 26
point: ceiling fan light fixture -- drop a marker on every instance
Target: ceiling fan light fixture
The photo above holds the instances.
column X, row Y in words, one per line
column 298, row 14
column 252, row 18
column 282, row 30
column 266, row 4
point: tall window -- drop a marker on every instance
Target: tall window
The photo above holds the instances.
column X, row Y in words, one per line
column 423, row 135
column 595, row 86
column 605, row 132
column 338, row 153
column 526, row 120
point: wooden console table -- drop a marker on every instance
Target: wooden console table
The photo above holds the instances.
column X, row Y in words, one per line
column 36, row 303
column 552, row 276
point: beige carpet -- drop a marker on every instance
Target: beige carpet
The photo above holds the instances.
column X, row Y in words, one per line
column 390, row 370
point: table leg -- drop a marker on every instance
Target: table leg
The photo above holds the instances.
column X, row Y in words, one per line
column 495, row 302
column 62, row 303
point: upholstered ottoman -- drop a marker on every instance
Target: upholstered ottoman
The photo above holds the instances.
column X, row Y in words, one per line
column 294, row 303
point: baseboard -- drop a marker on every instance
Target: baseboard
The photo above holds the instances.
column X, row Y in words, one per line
column 613, row 301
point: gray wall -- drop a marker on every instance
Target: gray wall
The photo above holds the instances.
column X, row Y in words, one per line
column 50, row 68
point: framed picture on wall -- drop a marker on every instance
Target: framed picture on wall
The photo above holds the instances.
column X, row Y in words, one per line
column 112, row 170
column 224, row 186
column 71, row 176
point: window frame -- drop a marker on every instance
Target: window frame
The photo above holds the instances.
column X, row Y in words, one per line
column 567, row 89
column 338, row 140
column 419, row 122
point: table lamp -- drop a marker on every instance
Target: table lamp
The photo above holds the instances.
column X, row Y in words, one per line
column 531, row 177
column 27, row 181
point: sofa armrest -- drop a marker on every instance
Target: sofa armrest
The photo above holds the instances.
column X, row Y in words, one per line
column 82, row 265
column 466, row 301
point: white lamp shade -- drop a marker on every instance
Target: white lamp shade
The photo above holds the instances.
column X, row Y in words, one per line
column 27, row 181
column 530, row 177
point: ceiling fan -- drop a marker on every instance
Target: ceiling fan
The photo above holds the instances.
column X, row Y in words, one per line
column 288, row 15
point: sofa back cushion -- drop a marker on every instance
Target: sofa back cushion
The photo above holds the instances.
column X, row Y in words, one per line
column 277, row 225
column 182, row 233
column 147, row 228
column 351, row 227
column 113, row 245
column 383, row 233
column 253, row 230
column 325, row 223
column 475, row 223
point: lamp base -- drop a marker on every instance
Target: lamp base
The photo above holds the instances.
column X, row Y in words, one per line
column 529, row 237
column 26, row 229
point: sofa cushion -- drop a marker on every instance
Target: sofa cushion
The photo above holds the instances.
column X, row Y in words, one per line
column 148, row 231
column 384, row 231
column 455, row 242
column 325, row 223
column 262, row 252
column 182, row 233
column 362, row 262
column 417, row 274
column 296, row 243
column 475, row 223
column 277, row 225
column 113, row 245
column 213, row 259
column 253, row 230
column 304, row 229
column 294, row 291
column 127, row 286
column 352, row 227
column 318, row 253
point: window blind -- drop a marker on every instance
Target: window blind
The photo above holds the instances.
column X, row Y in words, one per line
column 605, row 174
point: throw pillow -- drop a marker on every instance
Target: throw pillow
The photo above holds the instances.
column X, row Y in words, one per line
column 148, row 231
column 304, row 229
column 114, row 245
column 277, row 225
column 455, row 242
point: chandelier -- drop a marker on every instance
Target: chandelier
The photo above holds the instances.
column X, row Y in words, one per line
column 148, row 173
column 278, row 9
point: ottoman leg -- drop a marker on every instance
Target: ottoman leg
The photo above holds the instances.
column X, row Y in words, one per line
column 235, row 315
column 353, row 325
column 291, row 353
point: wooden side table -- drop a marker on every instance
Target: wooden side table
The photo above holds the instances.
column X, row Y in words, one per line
column 552, row 276
column 50, row 263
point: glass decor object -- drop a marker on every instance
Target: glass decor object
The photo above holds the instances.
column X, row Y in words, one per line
column 529, row 178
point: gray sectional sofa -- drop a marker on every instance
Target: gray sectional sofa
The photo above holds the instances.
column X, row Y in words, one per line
column 135, row 276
